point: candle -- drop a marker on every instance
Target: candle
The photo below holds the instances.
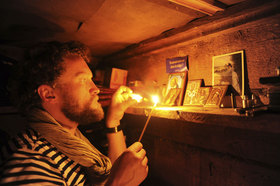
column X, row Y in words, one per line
column 155, row 100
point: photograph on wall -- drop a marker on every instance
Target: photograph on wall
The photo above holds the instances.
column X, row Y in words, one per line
column 174, row 90
column 216, row 95
column 191, row 94
column 202, row 95
column 228, row 69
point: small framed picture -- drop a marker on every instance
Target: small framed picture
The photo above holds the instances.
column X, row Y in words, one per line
column 203, row 94
column 191, row 94
column 228, row 69
column 174, row 90
column 118, row 78
column 217, row 93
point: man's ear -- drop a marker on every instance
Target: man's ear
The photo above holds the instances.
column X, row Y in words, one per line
column 46, row 93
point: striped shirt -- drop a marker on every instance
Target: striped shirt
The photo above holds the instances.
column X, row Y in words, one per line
column 29, row 159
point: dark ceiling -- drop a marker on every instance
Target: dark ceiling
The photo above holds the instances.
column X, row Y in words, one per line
column 106, row 26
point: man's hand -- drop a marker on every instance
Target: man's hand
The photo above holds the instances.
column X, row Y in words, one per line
column 121, row 100
column 130, row 168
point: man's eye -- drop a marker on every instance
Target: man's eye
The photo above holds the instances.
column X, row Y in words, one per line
column 83, row 80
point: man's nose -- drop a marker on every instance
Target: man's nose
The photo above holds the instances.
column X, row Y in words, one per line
column 94, row 89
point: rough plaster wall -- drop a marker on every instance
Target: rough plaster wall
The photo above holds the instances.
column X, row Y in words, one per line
column 260, row 41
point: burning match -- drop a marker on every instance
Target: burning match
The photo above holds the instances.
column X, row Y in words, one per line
column 155, row 100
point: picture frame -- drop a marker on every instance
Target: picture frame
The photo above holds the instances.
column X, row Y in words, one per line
column 118, row 78
column 191, row 93
column 175, row 87
column 216, row 95
column 202, row 95
column 228, row 69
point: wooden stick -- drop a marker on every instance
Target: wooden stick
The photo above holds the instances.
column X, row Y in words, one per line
column 145, row 126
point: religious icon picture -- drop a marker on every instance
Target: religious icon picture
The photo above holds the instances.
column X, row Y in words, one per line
column 174, row 90
column 216, row 95
column 228, row 69
column 202, row 95
column 191, row 94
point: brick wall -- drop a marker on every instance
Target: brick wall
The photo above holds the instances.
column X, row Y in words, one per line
column 228, row 152
column 254, row 28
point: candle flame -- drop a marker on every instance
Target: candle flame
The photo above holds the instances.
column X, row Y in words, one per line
column 155, row 100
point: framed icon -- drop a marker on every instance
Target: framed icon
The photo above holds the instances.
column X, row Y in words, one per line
column 216, row 95
column 202, row 95
column 174, row 90
column 191, row 94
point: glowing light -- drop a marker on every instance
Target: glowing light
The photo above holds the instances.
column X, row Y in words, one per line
column 136, row 97
column 155, row 100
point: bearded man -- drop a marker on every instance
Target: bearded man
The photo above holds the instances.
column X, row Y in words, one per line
column 53, row 88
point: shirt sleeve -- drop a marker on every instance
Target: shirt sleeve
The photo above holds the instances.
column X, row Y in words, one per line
column 29, row 167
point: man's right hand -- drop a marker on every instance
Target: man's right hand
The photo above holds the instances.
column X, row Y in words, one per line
column 121, row 100
column 130, row 168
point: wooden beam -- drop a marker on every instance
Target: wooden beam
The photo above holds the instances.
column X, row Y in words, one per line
column 199, row 5
column 234, row 17
column 185, row 10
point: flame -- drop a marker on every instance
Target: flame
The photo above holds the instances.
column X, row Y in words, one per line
column 139, row 98
column 155, row 100
column 136, row 97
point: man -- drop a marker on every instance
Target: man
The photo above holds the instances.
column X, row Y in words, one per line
column 56, row 93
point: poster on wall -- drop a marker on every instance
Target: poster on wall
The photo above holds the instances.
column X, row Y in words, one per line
column 228, row 69
column 177, row 64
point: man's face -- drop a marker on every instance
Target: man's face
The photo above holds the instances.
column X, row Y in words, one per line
column 77, row 92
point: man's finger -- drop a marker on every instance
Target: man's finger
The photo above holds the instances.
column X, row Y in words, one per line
column 145, row 161
column 136, row 147
column 123, row 89
column 141, row 154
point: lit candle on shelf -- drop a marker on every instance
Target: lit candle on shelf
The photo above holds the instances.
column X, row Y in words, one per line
column 155, row 100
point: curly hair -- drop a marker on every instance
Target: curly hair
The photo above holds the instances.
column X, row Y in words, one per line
column 42, row 65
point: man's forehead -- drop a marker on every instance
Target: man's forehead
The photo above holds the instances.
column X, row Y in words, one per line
column 73, row 57
column 76, row 65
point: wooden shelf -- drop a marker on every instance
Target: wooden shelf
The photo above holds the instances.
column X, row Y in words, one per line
column 174, row 112
column 258, row 119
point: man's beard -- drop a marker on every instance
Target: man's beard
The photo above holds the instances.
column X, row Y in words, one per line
column 83, row 116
